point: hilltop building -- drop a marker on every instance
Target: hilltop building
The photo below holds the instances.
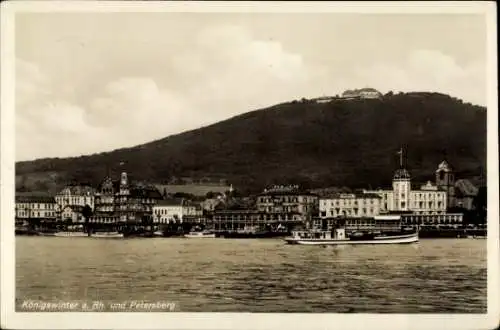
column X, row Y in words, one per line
column 363, row 93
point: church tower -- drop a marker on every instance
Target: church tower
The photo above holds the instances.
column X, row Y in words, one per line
column 445, row 180
column 124, row 184
column 401, row 186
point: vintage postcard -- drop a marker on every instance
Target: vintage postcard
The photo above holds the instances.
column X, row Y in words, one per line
column 249, row 165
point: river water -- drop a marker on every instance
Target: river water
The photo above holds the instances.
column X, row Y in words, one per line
column 253, row 275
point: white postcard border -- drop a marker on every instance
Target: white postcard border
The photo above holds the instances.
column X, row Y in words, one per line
column 11, row 319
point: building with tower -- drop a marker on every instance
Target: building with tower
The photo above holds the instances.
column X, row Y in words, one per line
column 118, row 203
column 429, row 199
column 445, row 181
column 424, row 206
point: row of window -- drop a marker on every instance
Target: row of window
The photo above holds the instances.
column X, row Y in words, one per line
column 280, row 209
column 434, row 218
column 263, row 217
column 338, row 202
column 432, row 222
column 167, row 220
column 74, row 200
column 427, row 196
column 36, row 214
column 47, row 206
column 430, row 205
column 286, row 199
column 350, row 212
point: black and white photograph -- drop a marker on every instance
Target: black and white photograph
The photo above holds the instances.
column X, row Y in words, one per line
column 225, row 165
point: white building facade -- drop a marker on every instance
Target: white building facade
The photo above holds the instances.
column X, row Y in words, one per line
column 350, row 205
column 174, row 211
column 429, row 199
column 36, row 207
column 76, row 196
column 73, row 213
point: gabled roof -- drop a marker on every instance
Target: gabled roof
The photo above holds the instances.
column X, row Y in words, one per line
column 401, row 174
column 77, row 190
column 444, row 166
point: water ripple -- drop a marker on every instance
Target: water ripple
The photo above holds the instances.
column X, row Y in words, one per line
column 447, row 276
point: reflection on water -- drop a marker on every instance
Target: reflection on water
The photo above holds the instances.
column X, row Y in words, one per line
column 223, row 275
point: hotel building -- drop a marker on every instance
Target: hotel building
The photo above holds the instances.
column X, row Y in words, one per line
column 175, row 211
column 123, row 203
column 75, row 196
column 287, row 200
column 350, row 205
column 428, row 204
column 30, row 209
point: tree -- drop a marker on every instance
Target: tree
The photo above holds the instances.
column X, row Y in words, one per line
column 87, row 214
column 480, row 206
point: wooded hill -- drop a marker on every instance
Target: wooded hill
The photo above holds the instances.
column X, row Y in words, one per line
column 349, row 143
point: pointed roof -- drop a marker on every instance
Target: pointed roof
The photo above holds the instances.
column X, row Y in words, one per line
column 401, row 174
column 444, row 166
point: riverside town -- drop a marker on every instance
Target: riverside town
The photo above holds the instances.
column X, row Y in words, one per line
column 444, row 207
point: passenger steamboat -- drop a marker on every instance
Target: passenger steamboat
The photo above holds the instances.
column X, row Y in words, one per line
column 338, row 237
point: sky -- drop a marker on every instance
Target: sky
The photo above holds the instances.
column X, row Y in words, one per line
column 95, row 82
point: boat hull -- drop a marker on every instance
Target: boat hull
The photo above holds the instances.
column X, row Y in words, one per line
column 70, row 234
column 107, row 235
column 200, row 236
column 401, row 239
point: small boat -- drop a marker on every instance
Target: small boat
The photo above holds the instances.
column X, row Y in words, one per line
column 107, row 234
column 338, row 237
column 158, row 233
column 71, row 234
column 200, row 234
column 46, row 233
column 477, row 236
